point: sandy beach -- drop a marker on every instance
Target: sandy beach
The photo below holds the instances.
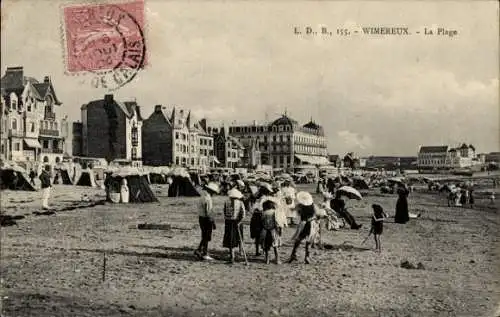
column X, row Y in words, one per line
column 52, row 265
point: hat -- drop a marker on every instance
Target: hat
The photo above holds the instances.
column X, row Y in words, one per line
column 213, row 187
column 234, row 193
column 304, row 199
column 240, row 183
column 253, row 189
column 266, row 186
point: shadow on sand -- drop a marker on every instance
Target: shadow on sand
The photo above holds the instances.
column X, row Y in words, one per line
column 179, row 254
column 344, row 247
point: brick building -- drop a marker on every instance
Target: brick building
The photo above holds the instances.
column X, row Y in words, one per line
column 110, row 129
column 31, row 131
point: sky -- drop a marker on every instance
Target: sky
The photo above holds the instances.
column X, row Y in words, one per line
column 241, row 61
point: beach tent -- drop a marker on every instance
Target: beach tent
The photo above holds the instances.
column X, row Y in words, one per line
column 86, row 179
column 14, row 177
column 63, row 177
column 138, row 186
column 182, row 185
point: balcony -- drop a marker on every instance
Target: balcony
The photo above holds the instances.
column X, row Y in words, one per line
column 52, row 151
column 16, row 133
column 49, row 132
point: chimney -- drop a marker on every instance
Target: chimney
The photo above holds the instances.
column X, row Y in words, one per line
column 46, row 79
column 108, row 98
column 158, row 108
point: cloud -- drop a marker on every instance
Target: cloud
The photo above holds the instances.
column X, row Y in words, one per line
column 353, row 141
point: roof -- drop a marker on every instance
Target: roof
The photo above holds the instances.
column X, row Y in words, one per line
column 312, row 125
column 284, row 120
column 126, row 107
column 434, row 149
column 131, row 106
column 15, row 81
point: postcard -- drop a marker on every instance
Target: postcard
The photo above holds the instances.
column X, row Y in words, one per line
column 249, row 158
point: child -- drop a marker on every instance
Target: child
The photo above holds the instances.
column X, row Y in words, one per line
column 377, row 224
column 234, row 213
column 270, row 230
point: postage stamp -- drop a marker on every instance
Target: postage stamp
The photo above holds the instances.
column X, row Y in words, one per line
column 106, row 41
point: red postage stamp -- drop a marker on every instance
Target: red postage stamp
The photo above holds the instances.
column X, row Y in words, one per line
column 106, row 40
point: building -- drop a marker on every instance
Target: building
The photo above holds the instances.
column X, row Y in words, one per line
column 31, row 131
column 391, row 162
column 110, row 129
column 446, row 157
column 492, row 157
column 433, row 157
column 335, row 160
column 177, row 138
column 228, row 149
column 284, row 143
column 350, row 160
column 252, row 157
column 462, row 156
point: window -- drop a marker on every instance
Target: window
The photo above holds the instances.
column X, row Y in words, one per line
column 58, row 159
column 17, row 147
column 14, row 124
column 177, row 160
column 13, row 104
column 2, row 149
column 55, row 125
column 192, row 161
column 134, row 153
column 135, row 136
column 45, row 144
column 45, row 159
column 32, row 127
column 29, row 107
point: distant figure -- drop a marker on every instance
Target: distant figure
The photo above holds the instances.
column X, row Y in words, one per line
column 471, row 198
column 402, row 215
column 32, row 177
column 492, row 198
column 46, row 186
column 124, row 192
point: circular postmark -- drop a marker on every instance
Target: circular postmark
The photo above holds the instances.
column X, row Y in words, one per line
column 108, row 44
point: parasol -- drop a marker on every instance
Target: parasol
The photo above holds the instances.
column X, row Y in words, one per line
column 350, row 192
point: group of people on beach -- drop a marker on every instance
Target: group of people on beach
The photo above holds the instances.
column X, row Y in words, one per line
column 271, row 209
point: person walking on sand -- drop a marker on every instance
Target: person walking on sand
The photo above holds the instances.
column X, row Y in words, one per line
column 206, row 220
column 32, row 177
column 307, row 229
column 234, row 213
column 270, row 236
column 46, row 186
column 378, row 225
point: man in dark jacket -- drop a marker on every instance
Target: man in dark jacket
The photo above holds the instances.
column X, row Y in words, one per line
column 46, row 186
column 32, row 177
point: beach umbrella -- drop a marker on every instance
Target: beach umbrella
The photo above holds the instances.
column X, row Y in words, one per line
column 350, row 192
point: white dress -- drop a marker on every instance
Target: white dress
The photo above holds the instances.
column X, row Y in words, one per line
column 124, row 194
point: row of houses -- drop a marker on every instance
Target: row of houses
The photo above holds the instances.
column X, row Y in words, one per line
column 110, row 127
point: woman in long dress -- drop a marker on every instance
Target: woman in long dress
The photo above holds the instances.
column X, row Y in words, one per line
column 271, row 237
column 234, row 212
column 402, row 214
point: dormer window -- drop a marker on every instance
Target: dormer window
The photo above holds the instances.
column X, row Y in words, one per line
column 13, row 101
column 135, row 136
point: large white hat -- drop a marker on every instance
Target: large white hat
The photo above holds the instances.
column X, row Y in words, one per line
column 304, row 198
column 213, row 187
column 234, row 193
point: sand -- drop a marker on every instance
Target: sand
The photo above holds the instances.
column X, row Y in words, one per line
column 53, row 265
